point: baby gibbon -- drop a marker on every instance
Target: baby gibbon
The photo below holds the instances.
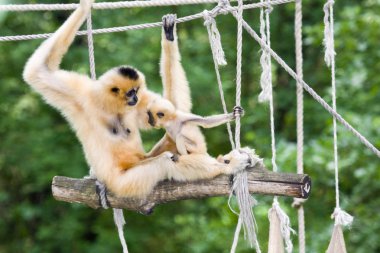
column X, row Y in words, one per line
column 106, row 115
column 182, row 127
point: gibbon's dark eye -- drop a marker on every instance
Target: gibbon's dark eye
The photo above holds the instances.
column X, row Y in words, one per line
column 160, row 114
column 226, row 161
column 115, row 90
column 131, row 93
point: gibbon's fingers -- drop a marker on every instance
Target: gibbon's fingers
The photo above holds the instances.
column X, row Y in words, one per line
column 168, row 23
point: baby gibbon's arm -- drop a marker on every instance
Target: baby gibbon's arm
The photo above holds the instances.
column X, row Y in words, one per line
column 42, row 69
column 205, row 122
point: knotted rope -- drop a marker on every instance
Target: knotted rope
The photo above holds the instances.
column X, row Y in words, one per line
column 267, row 96
column 298, row 203
column 340, row 216
column 240, row 186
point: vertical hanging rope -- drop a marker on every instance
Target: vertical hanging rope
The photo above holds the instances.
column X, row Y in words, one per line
column 341, row 218
column 240, row 185
column 298, row 203
column 117, row 213
column 90, row 42
column 219, row 59
column 277, row 217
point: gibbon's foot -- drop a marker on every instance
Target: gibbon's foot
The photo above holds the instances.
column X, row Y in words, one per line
column 168, row 22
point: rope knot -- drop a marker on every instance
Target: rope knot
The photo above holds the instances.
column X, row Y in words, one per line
column 342, row 217
column 328, row 40
column 268, row 7
column 223, row 6
column 298, row 202
column 214, row 36
column 238, row 111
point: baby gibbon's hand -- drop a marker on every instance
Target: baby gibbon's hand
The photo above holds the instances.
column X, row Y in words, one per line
column 86, row 4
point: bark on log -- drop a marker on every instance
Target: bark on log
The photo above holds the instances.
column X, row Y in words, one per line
column 260, row 181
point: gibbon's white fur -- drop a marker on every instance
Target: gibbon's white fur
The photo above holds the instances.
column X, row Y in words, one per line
column 106, row 115
column 182, row 126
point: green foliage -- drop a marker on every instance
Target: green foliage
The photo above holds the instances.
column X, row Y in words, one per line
column 37, row 143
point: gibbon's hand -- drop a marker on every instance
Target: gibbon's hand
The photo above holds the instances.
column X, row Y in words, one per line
column 168, row 23
column 86, row 4
column 238, row 111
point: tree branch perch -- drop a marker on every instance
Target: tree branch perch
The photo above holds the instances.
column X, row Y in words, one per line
column 260, row 181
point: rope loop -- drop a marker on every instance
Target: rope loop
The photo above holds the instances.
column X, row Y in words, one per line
column 298, row 202
column 214, row 36
column 224, row 6
column 342, row 217
column 268, row 7
column 101, row 190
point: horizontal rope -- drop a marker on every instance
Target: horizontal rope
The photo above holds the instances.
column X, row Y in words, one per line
column 136, row 27
column 102, row 6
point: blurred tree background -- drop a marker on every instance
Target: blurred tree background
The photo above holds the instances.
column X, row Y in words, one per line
column 37, row 143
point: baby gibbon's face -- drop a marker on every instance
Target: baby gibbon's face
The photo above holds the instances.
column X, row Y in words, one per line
column 122, row 85
column 160, row 112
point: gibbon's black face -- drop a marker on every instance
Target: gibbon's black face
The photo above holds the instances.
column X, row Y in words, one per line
column 130, row 95
column 125, row 85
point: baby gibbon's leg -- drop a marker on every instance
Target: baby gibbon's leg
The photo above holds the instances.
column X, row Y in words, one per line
column 140, row 180
column 42, row 69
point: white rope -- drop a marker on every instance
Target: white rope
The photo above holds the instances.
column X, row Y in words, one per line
column 118, row 215
column 300, row 131
column 214, row 37
column 236, row 236
column 109, row 5
column 240, row 186
column 266, row 75
column 286, row 230
column 267, row 95
column 329, row 34
column 340, row 216
column 90, row 42
column 102, row 192
column 309, row 90
column 119, row 220
column 218, row 78
column 134, row 27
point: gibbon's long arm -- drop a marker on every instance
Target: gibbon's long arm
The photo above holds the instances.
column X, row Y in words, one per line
column 176, row 87
column 42, row 69
column 206, row 122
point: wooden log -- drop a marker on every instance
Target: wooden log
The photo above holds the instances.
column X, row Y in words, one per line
column 260, row 181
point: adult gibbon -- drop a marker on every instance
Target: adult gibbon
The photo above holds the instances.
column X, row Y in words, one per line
column 106, row 115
